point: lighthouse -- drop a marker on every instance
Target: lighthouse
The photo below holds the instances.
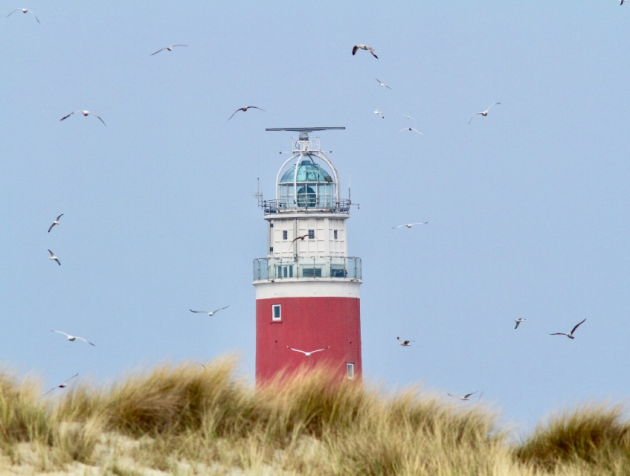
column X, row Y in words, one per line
column 307, row 288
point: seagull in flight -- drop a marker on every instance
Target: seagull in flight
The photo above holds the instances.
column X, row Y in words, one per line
column 570, row 334
column 54, row 258
column 410, row 225
column 210, row 313
column 85, row 113
column 518, row 321
column 245, row 108
column 483, row 113
column 73, row 338
column 23, row 10
column 465, row 397
column 55, row 222
column 411, row 129
column 409, row 117
column 64, row 384
column 167, row 48
column 307, row 354
column 382, row 84
column 301, row 238
column 379, row 112
column 364, row 47
column 404, row 343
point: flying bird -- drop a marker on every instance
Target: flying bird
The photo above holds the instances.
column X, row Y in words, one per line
column 570, row 334
column 307, row 354
column 73, row 338
column 364, row 47
column 54, row 258
column 404, row 343
column 167, row 48
column 411, row 129
column 55, row 222
column 410, row 225
column 64, row 384
column 245, row 108
column 382, row 84
column 210, row 313
column 518, row 321
column 465, row 397
column 483, row 113
column 23, row 10
column 85, row 113
column 408, row 117
column 379, row 112
column 301, row 238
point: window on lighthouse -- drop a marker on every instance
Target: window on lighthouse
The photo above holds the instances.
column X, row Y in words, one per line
column 350, row 368
column 284, row 234
column 276, row 314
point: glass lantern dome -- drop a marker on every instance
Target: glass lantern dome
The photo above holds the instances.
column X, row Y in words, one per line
column 307, row 185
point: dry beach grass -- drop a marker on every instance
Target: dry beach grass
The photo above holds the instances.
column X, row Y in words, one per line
column 187, row 419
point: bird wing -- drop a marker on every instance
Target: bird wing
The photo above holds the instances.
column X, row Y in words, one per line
column 354, row 48
column 255, row 107
column 472, row 118
column 157, row 51
column 51, row 253
column 51, row 227
column 416, row 130
column 67, row 116
column 35, row 17
column 558, row 334
column 517, row 323
column 217, row 310
column 371, row 50
column 56, row 386
column 297, row 350
column 199, row 312
column 99, row 117
column 85, row 340
column 60, row 332
column 577, row 325
column 59, row 217
column 178, row 45
column 21, row 10
column 469, row 394
column 318, row 350
column 239, row 109
column 70, row 378
column 491, row 106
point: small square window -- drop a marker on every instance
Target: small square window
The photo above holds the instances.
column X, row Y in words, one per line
column 311, row 234
column 276, row 314
column 350, row 368
column 335, row 234
column 284, row 234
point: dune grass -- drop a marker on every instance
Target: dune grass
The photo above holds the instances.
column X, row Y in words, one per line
column 189, row 419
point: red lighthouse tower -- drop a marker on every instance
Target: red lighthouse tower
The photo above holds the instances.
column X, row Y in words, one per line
column 307, row 288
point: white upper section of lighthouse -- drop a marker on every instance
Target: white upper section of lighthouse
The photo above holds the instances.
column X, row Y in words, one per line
column 307, row 220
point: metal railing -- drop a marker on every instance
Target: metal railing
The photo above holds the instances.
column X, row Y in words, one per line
column 324, row 267
column 286, row 206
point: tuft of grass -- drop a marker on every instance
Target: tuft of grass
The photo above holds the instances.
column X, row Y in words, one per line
column 23, row 417
column 592, row 434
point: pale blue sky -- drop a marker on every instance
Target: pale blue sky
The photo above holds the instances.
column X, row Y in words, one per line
column 527, row 207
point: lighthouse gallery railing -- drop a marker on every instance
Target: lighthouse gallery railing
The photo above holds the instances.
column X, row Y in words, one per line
column 307, row 268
